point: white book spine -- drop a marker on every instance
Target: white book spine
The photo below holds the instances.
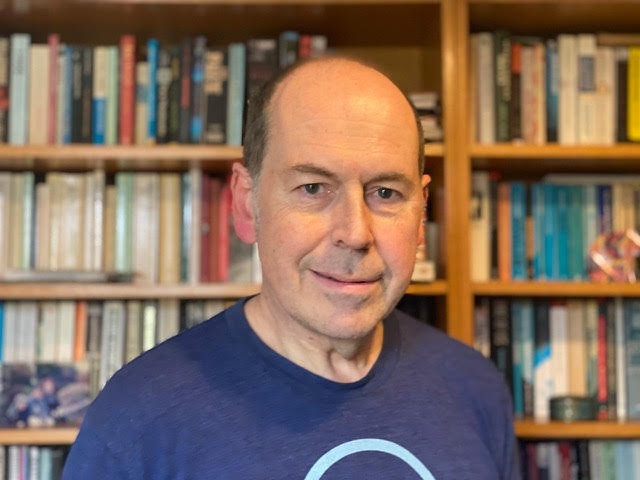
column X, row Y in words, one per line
column 18, row 92
column 149, row 325
column 112, row 343
column 111, row 130
column 13, row 471
column 568, row 92
column 559, row 352
column 168, row 318
column 48, row 332
column 97, row 243
column 5, row 202
column 133, row 342
column 196, row 225
column 34, row 463
column 89, row 221
column 72, row 221
column 39, row 95
column 539, row 85
column 486, row 124
column 605, row 71
column 145, row 225
column 66, row 330
column 43, row 226
column 29, row 320
column 9, row 332
column 55, row 223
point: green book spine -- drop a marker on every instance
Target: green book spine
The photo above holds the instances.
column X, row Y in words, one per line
column 185, row 244
column 28, row 218
column 502, row 65
column 124, row 207
column 111, row 132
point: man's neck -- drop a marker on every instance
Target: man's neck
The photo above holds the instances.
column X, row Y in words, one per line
column 339, row 360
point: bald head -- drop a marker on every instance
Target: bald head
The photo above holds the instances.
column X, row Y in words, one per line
column 355, row 95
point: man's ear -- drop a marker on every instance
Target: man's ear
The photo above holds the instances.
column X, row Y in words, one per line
column 244, row 220
column 424, row 182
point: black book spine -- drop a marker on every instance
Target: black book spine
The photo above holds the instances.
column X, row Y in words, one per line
column 494, row 177
column 87, row 94
column 215, row 91
column 185, row 91
column 515, row 127
column 622, row 65
column 174, row 95
column 262, row 63
column 198, row 105
column 76, row 95
column 164, row 84
column 500, row 331
column 502, row 62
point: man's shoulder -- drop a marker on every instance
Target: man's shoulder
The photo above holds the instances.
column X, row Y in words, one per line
column 155, row 381
column 453, row 360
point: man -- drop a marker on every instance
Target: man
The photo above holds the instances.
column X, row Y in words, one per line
column 317, row 376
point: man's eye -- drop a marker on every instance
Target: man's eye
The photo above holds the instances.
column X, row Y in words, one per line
column 385, row 193
column 312, row 188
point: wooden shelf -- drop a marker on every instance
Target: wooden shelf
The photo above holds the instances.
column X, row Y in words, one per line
column 38, row 436
column 556, row 289
column 101, row 291
column 530, row 429
column 553, row 157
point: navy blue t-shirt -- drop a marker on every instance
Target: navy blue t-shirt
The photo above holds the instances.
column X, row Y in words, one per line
column 215, row 402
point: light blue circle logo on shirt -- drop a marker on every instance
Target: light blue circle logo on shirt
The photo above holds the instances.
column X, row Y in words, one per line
column 333, row 456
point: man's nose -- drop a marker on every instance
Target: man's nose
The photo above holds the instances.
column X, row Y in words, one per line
column 352, row 222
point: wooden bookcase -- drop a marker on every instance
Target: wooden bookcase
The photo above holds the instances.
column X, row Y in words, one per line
column 422, row 45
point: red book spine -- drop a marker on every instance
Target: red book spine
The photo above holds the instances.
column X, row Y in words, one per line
column 565, row 460
column 215, row 185
column 223, row 232
column 54, row 43
column 127, row 88
column 532, row 464
column 602, row 362
column 304, row 47
column 205, row 231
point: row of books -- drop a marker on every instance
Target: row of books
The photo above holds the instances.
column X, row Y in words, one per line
column 168, row 227
column 106, row 335
column 31, row 462
column 548, row 348
column 580, row 460
column 544, row 230
column 58, row 93
column 572, row 89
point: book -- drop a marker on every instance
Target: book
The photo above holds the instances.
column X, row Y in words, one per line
column 170, row 212
column 621, row 58
column 112, row 339
column 632, row 337
column 127, row 89
column 505, row 233
column 39, row 94
column 518, row 241
column 112, row 97
column 174, row 95
column 146, row 226
column 480, row 222
column 4, row 89
column 152, row 90
column 262, row 63
column 86, row 127
column 500, row 331
column 100, row 86
column 515, row 114
column 164, row 80
column 76, row 94
column 288, row 48
column 65, row 95
column 185, row 91
column 124, row 218
column 5, row 220
column 142, row 104
column 149, row 325
column 633, row 95
column 605, row 79
column 486, row 98
column 502, row 65
column 18, row 94
column 587, row 105
column 235, row 94
column 542, row 373
column 568, row 89
column 198, row 99
column 215, row 93
column 133, row 338
column 552, row 85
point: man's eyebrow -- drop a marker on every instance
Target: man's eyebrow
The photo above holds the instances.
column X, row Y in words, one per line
column 392, row 177
column 314, row 169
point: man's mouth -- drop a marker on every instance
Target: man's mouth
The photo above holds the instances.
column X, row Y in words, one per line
column 363, row 280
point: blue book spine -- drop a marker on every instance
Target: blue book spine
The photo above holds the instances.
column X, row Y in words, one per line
column 197, row 90
column 516, row 351
column 67, row 92
column 235, row 98
column 152, row 89
column 576, row 233
column 550, row 261
column 99, row 110
column 605, row 213
column 552, row 87
column 518, row 233
column 562, row 236
column 537, row 198
column 18, row 89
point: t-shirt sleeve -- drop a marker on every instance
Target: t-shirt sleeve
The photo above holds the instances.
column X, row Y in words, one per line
column 90, row 457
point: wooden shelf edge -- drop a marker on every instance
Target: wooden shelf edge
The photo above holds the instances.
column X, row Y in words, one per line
column 270, row 2
column 530, row 429
column 38, row 436
column 629, row 151
column 101, row 291
column 556, row 289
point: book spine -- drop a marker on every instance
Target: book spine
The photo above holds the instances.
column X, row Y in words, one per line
column 28, row 220
column 67, row 101
column 539, row 94
column 633, row 95
column 558, row 330
column 141, row 117
column 502, row 60
column 97, row 210
column 577, row 268
column 223, row 233
column 481, row 327
column 54, row 44
column 196, row 218
column 568, row 91
column 205, row 231
column 632, row 338
column 133, row 342
column 518, row 217
column 215, row 92
column 100, row 73
column 527, row 324
column 262, row 63
column 76, row 107
column 127, row 88
column 517, row 331
column 611, row 361
column 4, row 90
column 304, row 46
column 515, row 110
column 620, row 360
column 215, row 184
column 152, row 90
column 235, row 97
column 185, row 91
column 622, row 64
column 87, row 94
column 605, row 213
column 149, row 325
column 538, row 205
column 605, row 72
column 111, row 122
column 164, row 86
column 493, row 224
column 486, row 103
column 124, row 205
column 198, row 106
column 589, row 221
column 18, row 94
column 39, row 94
column 174, row 95
column 186, row 221
column 602, row 361
column 552, row 86
column 500, row 331
column 288, row 48
column 481, row 258
column 169, row 259
column 562, row 231
column 504, row 232
column 542, row 362
column 80, row 338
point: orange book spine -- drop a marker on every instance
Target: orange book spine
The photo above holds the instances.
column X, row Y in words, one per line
column 504, row 232
column 80, row 344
